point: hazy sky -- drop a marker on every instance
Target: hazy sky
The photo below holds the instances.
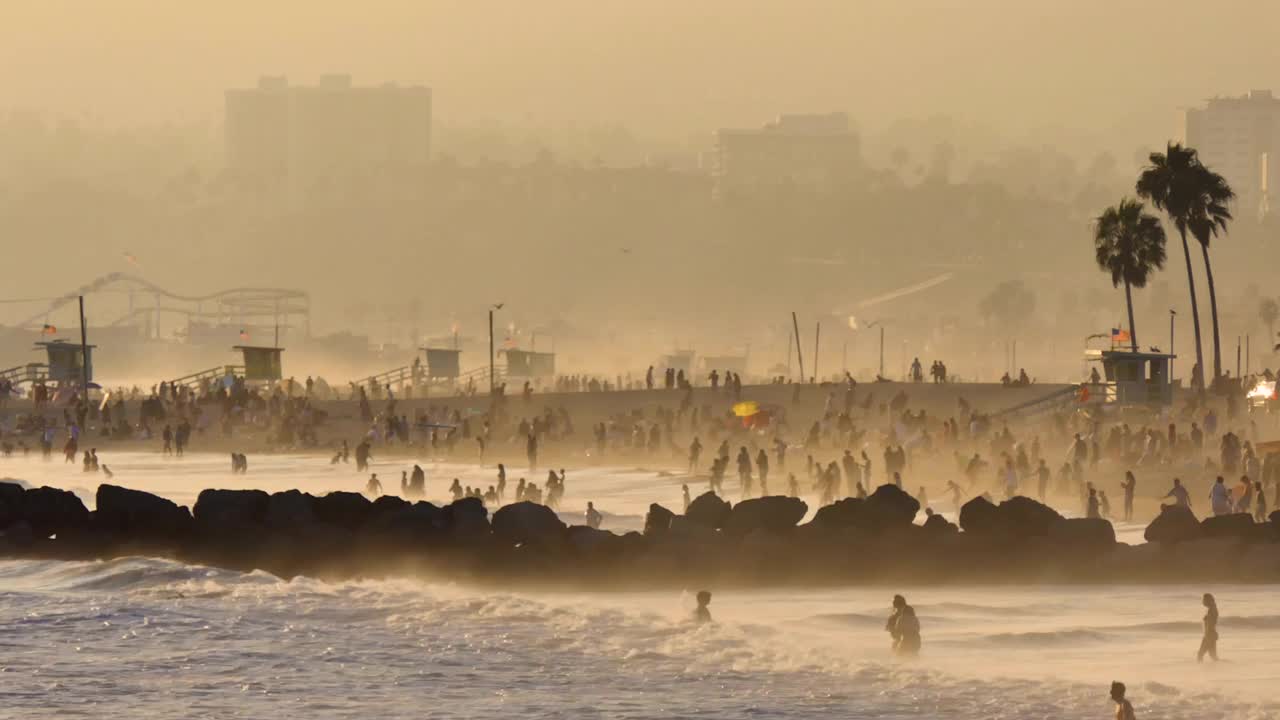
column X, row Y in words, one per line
column 662, row 67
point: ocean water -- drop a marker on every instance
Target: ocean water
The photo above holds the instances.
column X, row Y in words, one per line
column 155, row 639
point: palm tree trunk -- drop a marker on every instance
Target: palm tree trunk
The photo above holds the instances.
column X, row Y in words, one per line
column 1195, row 309
column 1213, row 310
column 1133, row 333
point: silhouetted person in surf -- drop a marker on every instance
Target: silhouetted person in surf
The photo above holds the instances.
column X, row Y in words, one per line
column 1209, row 643
column 904, row 627
column 593, row 516
column 1124, row 710
column 702, row 614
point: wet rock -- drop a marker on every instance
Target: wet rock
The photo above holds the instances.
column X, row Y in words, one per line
column 50, row 511
column 591, row 542
column 937, row 526
column 342, row 509
column 1235, row 525
column 658, row 520
column 839, row 514
column 977, row 515
column 888, row 507
column 1084, row 533
column 709, row 510
column 774, row 514
column 1016, row 518
column 527, row 522
column 134, row 513
column 1174, row 524
column 10, row 503
column 466, row 517
column 1024, row 517
column 229, row 510
column 290, row 510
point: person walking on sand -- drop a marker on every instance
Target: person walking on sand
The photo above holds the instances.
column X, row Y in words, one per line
column 373, row 488
column 1209, row 644
column 1124, row 710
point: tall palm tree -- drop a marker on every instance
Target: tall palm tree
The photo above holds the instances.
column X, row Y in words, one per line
column 1167, row 182
column 1209, row 216
column 1129, row 244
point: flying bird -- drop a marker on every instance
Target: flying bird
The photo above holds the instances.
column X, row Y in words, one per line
column 498, row 306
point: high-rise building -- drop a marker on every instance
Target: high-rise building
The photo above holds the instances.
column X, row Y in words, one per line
column 811, row 150
column 1239, row 138
column 300, row 134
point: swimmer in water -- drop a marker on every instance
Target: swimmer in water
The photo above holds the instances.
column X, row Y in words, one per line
column 1124, row 710
column 904, row 628
column 702, row 614
column 1209, row 644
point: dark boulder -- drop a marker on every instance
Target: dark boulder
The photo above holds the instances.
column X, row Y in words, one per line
column 658, row 520
column 134, row 513
column 388, row 504
column 408, row 523
column 888, row 507
column 937, row 526
column 709, row 510
column 1086, row 533
column 342, row 509
column 978, row 515
column 1235, row 525
column 774, row 513
column 290, row 510
column 591, row 542
column 50, row 510
column 466, row 517
column 527, row 522
column 839, row 514
column 230, row 509
column 1175, row 523
column 1016, row 518
column 10, row 503
column 1023, row 517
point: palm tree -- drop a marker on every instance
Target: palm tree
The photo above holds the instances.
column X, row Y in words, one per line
column 1209, row 215
column 1129, row 244
column 1169, row 182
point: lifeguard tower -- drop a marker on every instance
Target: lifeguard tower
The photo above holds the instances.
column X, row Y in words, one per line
column 69, row 363
column 261, row 364
column 1136, row 377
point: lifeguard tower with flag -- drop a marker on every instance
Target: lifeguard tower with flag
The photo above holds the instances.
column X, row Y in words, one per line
column 1129, row 376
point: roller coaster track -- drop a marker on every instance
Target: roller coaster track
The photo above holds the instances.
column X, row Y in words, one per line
column 244, row 300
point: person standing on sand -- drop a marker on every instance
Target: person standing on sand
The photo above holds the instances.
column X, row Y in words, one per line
column 373, row 488
column 1129, row 485
column 1220, row 497
column 1124, row 710
column 1209, row 643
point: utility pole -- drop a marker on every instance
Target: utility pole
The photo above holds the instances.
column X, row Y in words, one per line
column 491, row 352
column 881, row 350
column 817, row 333
column 795, row 325
column 1172, row 314
column 84, row 356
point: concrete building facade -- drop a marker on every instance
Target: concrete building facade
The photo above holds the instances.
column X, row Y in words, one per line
column 1239, row 138
column 300, row 134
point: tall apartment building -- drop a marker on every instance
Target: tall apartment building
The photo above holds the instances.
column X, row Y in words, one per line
column 300, row 134
column 1239, row 138
column 809, row 150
